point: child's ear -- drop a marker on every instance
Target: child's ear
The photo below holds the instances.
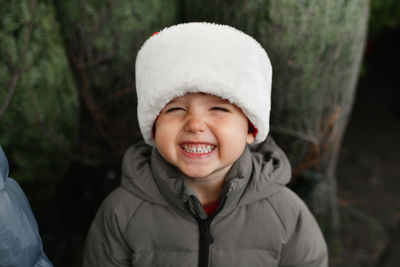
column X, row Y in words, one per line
column 250, row 138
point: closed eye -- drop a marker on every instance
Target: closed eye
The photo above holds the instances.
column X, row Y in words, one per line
column 173, row 109
column 220, row 109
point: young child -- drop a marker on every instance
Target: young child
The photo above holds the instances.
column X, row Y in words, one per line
column 195, row 194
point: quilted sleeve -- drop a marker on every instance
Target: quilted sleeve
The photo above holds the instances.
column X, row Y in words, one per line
column 105, row 243
column 306, row 246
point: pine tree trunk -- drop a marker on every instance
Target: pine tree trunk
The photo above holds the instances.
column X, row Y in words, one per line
column 315, row 48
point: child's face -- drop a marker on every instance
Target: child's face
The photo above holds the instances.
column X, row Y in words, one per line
column 202, row 134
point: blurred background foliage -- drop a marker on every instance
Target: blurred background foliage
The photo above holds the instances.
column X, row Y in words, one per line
column 38, row 96
column 67, row 78
column 385, row 15
column 38, row 92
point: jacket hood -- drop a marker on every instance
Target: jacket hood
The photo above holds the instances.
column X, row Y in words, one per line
column 271, row 171
column 137, row 175
column 261, row 171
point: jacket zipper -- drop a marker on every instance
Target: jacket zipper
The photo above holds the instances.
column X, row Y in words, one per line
column 205, row 237
column 206, row 240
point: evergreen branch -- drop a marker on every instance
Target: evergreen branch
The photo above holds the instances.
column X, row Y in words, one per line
column 88, row 35
column 18, row 72
column 114, row 33
column 29, row 64
column 101, row 22
column 10, row 61
column 51, row 100
column 11, row 93
column 28, row 38
column 34, row 101
column 32, row 5
column 83, row 50
column 96, row 61
column 54, row 138
column 117, row 95
column 99, row 118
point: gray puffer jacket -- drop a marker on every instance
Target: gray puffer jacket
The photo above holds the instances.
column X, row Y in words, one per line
column 155, row 219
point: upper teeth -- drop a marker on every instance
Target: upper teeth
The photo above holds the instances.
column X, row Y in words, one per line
column 198, row 148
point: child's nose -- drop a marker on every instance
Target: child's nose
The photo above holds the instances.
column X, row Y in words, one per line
column 195, row 124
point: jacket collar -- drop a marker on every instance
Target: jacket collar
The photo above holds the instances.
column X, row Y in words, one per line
column 170, row 181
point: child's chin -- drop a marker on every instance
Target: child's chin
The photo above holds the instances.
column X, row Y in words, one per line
column 197, row 174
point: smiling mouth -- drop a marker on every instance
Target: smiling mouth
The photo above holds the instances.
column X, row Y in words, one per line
column 198, row 148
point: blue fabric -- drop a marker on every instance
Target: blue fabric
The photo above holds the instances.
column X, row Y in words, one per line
column 20, row 242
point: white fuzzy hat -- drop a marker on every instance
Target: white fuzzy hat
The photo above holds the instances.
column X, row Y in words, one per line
column 208, row 58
